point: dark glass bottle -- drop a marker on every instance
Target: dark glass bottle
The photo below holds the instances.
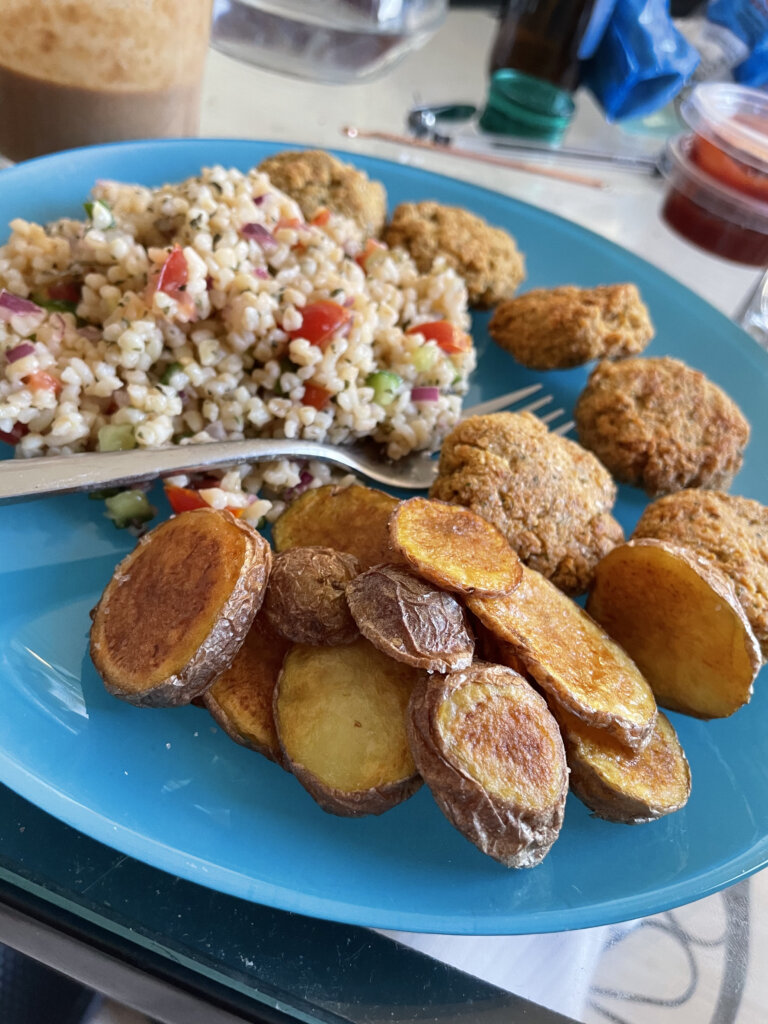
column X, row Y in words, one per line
column 541, row 38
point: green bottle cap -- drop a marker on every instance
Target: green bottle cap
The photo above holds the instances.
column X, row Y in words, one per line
column 519, row 104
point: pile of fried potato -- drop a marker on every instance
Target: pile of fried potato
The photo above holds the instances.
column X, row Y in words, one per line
column 386, row 643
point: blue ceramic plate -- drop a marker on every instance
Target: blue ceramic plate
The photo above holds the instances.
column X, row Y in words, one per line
column 168, row 787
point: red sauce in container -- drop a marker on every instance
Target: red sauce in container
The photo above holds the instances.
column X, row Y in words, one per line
column 718, row 175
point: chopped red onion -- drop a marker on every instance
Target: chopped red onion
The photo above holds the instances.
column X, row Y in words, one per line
column 216, row 430
column 258, row 200
column 14, row 305
column 425, row 394
column 261, row 273
column 19, row 351
column 258, row 233
column 305, row 479
column 90, row 332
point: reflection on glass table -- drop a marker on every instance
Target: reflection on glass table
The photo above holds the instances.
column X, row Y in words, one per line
column 699, row 964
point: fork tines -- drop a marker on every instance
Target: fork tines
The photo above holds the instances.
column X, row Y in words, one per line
column 510, row 403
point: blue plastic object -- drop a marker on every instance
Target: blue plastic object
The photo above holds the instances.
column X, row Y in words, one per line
column 598, row 21
column 748, row 20
column 642, row 61
column 168, row 787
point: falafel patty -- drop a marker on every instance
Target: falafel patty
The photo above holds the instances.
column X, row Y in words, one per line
column 486, row 257
column 661, row 425
column 550, row 498
column 317, row 180
column 728, row 530
column 556, row 328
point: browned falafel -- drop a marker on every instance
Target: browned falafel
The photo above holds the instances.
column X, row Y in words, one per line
column 661, row 425
column 549, row 497
column 317, row 180
column 556, row 328
column 486, row 257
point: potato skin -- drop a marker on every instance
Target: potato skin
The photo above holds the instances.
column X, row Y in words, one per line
column 240, row 699
column 305, row 601
column 375, row 800
column 516, row 835
column 571, row 657
column 644, row 786
column 223, row 639
column 410, row 620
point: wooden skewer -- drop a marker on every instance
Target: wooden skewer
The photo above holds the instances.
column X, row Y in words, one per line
column 468, row 154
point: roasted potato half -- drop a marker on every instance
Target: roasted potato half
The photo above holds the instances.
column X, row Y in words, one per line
column 410, row 620
column 305, row 600
column 340, row 714
column 679, row 617
column 571, row 658
column 240, row 700
column 621, row 786
column 177, row 609
column 454, row 548
column 491, row 753
column 353, row 519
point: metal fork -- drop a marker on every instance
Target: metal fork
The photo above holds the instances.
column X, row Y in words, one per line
column 22, row 479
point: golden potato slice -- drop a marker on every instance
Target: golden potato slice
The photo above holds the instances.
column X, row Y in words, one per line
column 491, row 753
column 305, row 600
column 454, row 548
column 353, row 519
column 571, row 658
column 178, row 608
column 679, row 618
column 340, row 714
column 410, row 620
column 240, row 700
column 619, row 785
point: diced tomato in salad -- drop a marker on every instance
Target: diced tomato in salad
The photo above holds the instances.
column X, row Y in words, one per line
column 15, row 434
column 42, row 381
column 65, row 291
column 186, row 499
column 371, row 247
column 289, row 222
column 172, row 281
column 321, row 218
column 316, row 396
column 320, row 321
column 447, row 336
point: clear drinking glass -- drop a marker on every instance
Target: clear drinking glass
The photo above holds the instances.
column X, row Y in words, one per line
column 325, row 40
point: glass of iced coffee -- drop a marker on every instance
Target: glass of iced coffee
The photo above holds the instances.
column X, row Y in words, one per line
column 78, row 72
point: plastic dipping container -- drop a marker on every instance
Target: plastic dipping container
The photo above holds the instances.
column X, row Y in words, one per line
column 718, row 174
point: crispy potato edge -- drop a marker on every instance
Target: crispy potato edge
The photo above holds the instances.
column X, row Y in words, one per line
column 221, row 645
column 512, row 836
column 611, row 803
column 720, row 584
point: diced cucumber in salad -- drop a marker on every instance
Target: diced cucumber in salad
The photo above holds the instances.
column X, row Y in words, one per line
column 385, row 384
column 129, row 508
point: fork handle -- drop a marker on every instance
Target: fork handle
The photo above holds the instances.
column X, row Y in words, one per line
column 22, row 479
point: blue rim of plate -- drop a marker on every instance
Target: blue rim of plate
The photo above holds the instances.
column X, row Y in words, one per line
column 456, row 914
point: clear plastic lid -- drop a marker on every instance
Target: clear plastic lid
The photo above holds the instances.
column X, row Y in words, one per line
column 685, row 176
column 733, row 117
